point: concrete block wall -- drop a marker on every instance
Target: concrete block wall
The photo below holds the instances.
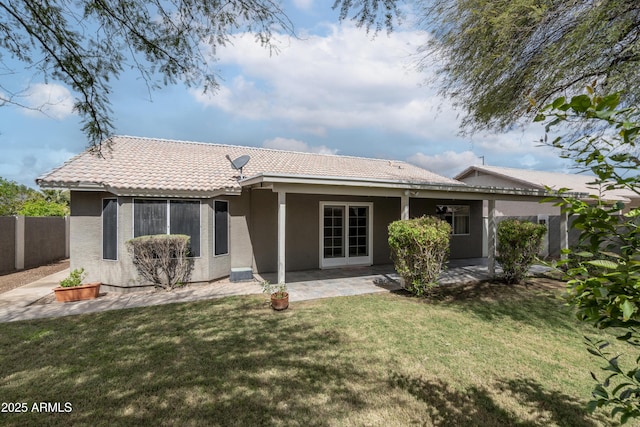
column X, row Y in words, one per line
column 27, row 242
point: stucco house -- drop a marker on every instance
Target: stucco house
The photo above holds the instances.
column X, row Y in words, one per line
column 543, row 213
column 283, row 211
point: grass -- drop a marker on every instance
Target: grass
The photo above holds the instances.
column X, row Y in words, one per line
column 488, row 355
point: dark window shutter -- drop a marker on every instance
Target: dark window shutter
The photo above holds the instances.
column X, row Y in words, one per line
column 221, row 238
column 110, row 229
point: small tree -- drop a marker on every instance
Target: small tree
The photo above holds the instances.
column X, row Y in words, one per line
column 604, row 274
column 419, row 249
column 38, row 206
column 162, row 259
column 518, row 246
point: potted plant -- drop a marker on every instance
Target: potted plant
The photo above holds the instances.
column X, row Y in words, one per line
column 72, row 288
column 279, row 295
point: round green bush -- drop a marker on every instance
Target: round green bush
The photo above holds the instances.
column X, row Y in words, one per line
column 419, row 249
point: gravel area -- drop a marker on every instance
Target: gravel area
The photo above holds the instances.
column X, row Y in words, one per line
column 20, row 278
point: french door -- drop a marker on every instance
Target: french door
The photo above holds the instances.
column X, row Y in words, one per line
column 345, row 234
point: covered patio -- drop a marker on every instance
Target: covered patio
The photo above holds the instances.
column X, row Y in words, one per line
column 358, row 280
column 412, row 199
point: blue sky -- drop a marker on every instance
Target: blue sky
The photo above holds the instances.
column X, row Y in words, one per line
column 334, row 89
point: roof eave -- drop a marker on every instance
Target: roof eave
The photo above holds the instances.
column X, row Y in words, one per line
column 139, row 192
column 266, row 178
column 281, row 178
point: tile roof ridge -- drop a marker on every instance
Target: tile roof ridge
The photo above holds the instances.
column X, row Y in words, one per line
column 174, row 141
column 496, row 168
column 276, row 150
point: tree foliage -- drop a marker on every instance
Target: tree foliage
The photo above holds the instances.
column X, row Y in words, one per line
column 518, row 245
column 604, row 276
column 371, row 13
column 493, row 55
column 38, row 206
column 18, row 199
column 419, row 249
column 87, row 43
column 13, row 196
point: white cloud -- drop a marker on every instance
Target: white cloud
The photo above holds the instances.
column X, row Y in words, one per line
column 343, row 80
column 51, row 99
column 303, row 4
column 296, row 145
column 448, row 163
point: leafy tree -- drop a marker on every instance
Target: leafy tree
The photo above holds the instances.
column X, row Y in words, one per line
column 18, row 199
column 604, row 277
column 85, row 44
column 494, row 54
column 62, row 197
column 13, row 196
column 38, row 206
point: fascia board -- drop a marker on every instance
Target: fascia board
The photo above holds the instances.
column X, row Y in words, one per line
column 418, row 190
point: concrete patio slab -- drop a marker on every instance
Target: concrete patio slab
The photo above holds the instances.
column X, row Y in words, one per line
column 18, row 304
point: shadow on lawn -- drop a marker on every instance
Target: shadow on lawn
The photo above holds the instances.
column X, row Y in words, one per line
column 564, row 410
column 450, row 407
column 536, row 302
column 210, row 363
column 476, row 406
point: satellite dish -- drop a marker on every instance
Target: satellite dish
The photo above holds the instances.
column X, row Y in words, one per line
column 239, row 163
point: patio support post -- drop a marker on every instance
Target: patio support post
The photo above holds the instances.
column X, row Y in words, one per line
column 564, row 233
column 404, row 205
column 282, row 204
column 491, row 255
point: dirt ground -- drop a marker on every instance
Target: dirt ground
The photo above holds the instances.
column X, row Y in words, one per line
column 19, row 278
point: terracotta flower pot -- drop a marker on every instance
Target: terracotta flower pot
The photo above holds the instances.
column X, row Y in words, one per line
column 77, row 293
column 280, row 303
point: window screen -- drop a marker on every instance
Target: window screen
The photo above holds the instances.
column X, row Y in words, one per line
column 221, row 229
column 149, row 217
column 110, row 229
column 185, row 219
column 152, row 217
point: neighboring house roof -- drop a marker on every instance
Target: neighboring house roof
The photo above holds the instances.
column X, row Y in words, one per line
column 133, row 165
column 578, row 183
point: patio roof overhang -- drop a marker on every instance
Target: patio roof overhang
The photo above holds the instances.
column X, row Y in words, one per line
column 312, row 184
column 316, row 184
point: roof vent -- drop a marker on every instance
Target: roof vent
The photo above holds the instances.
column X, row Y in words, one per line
column 239, row 163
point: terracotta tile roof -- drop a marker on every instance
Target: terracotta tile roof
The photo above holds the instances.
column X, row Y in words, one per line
column 135, row 163
column 578, row 183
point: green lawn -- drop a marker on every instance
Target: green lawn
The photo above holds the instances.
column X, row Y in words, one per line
column 487, row 355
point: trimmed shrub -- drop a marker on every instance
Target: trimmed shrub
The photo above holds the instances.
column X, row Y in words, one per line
column 518, row 245
column 419, row 249
column 162, row 259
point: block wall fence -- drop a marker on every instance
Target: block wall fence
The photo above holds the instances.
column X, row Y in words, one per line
column 27, row 242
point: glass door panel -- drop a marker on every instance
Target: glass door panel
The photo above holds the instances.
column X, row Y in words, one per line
column 358, row 231
column 345, row 234
column 333, row 232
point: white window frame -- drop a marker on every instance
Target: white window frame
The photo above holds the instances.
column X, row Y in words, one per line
column 453, row 219
column 346, row 259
